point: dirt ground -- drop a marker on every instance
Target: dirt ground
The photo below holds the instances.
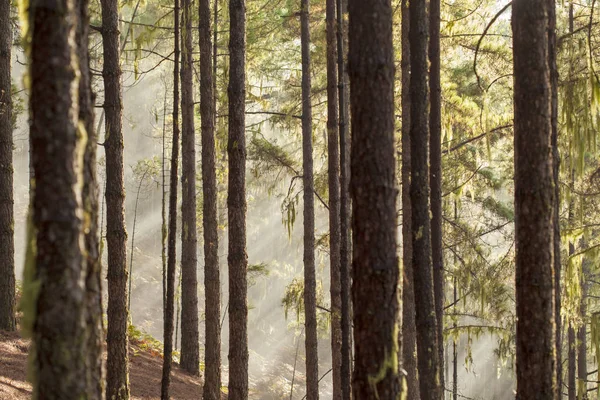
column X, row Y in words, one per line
column 144, row 375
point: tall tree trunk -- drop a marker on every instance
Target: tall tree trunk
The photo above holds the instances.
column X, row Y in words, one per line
column 310, row 282
column 556, row 176
column 190, row 340
column 236, row 204
column 172, row 235
column 7, row 244
column 333, row 166
column 212, row 285
column 572, row 375
column 425, row 316
column 582, row 393
column 435, row 177
column 117, row 364
column 375, row 261
column 344, row 133
column 534, row 190
column 409, row 330
column 57, row 149
column 93, row 274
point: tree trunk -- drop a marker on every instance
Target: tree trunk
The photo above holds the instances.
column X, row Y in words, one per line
column 93, row 274
column 333, row 166
column 435, row 177
column 572, row 380
column 7, row 222
column 346, row 370
column 57, row 150
column 212, row 358
column 310, row 282
column 236, row 204
column 425, row 316
column 117, row 364
column 375, row 261
column 582, row 341
column 409, row 330
column 534, row 190
column 190, row 340
column 172, row 235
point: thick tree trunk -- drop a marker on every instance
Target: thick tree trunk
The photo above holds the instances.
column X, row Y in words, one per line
column 310, row 281
column 534, row 201
column 117, row 364
column 409, row 329
column 93, row 274
column 345, row 239
column 435, row 177
column 425, row 316
column 333, row 166
column 172, row 235
column 375, row 261
column 236, row 204
column 572, row 371
column 57, row 150
column 190, row 340
column 7, row 231
column 212, row 285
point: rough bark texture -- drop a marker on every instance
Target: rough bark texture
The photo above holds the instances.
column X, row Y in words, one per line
column 236, row 204
column 435, row 177
column 534, row 202
column 572, row 369
column 59, row 337
column 345, row 239
column 190, row 340
column 117, row 364
column 582, row 375
column 93, row 274
column 7, row 222
column 425, row 317
column 212, row 285
column 172, row 234
column 409, row 329
column 375, row 262
column 333, row 166
column 310, row 281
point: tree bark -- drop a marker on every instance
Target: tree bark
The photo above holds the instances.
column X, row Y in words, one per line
column 572, row 375
column 534, row 201
column 435, row 177
column 212, row 285
column 345, row 282
column 310, row 281
column 172, row 234
column 425, row 316
column 190, row 340
column 236, row 204
column 409, row 329
column 93, row 274
column 373, row 188
column 582, row 377
column 117, row 364
column 7, row 221
column 333, row 166
column 57, row 147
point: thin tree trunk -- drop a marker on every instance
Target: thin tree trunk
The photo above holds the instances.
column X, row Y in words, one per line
column 59, row 343
column 534, row 190
column 425, row 316
column 333, row 165
column 310, row 282
column 190, row 337
column 164, row 229
column 137, row 200
column 7, row 245
column 572, row 371
column 93, row 274
column 345, row 281
column 117, row 365
column 236, row 204
column 172, row 235
column 582, row 377
column 409, row 329
column 375, row 261
column 212, row 358
column 435, row 177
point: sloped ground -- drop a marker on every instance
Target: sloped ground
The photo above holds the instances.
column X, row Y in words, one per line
column 145, row 372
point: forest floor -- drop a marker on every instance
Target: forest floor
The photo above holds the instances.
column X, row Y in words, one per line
column 144, row 375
